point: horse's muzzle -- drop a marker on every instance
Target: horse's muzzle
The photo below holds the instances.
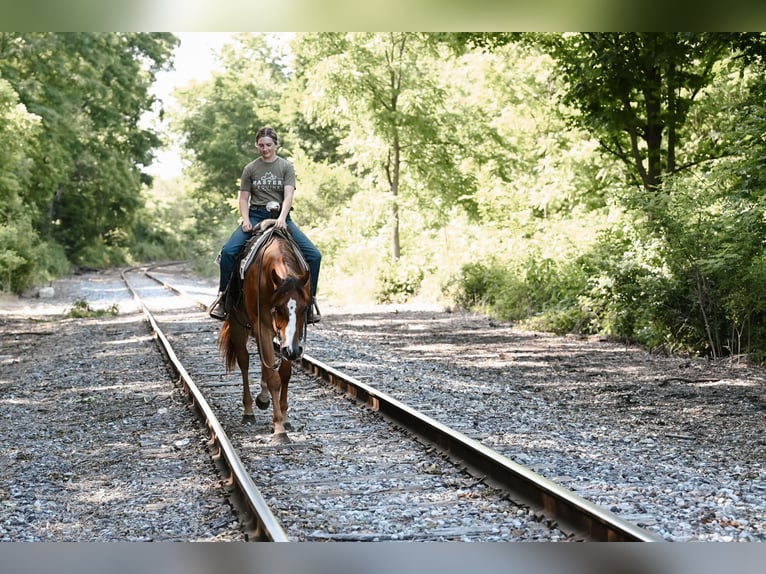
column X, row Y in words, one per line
column 291, row 353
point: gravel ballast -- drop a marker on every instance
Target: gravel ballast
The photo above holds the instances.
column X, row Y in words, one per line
column 98, row 444
column 674, row 444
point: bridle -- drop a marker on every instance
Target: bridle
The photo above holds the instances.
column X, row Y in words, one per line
column 260, row 341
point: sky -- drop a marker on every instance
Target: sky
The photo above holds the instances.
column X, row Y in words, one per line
column 194, row 60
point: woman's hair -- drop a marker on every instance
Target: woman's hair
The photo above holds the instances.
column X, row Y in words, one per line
column 267, row 132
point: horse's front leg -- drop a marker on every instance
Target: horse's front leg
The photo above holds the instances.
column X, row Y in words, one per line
column 285, row 371
column 263, row 398
column 274, row 384
column 271, row 381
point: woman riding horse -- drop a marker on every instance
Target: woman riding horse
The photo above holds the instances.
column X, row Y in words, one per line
column 275, row 298
column 269, row 178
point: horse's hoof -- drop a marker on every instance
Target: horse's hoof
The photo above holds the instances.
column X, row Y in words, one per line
column 248, row 419
column 263, row 405
column 280, row 438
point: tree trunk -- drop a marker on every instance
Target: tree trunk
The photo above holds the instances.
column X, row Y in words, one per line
column 653, row 134
column 395, row 246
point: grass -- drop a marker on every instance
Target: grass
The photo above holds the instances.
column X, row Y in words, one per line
column 82, row 310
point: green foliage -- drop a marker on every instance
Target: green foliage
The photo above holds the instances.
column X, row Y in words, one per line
column 540, row 293
column 164, row 229
column 460, row 165
column 626, row 283
column 689, row 278
column 82, row 310
column 72, row 145
column 398, row 281
column 18, row 238
column 24, row 258
column 16, row 255
column 386, row 92
column 635, row 90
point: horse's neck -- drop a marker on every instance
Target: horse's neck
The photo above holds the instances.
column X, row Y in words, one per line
column 291, row 253
column 290, row 256
column 274, row 238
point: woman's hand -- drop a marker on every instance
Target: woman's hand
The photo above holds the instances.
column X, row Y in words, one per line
column 247, row 226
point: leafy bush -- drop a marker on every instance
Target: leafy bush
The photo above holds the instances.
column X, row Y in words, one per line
column 397, row 282
column 626, row 284
column 101, row 255
column 18, row 248
column 540, row 292
column 82, row 310
column 481, row 284
column 51, row 262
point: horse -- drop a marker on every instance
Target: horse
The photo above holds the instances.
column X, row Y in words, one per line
column 272, row 309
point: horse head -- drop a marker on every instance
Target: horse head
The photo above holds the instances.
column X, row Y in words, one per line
column 288, row 311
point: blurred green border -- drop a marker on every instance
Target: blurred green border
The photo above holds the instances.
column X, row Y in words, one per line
column 380, row 15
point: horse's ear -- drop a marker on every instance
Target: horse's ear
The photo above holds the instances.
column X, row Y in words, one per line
column 276, row 279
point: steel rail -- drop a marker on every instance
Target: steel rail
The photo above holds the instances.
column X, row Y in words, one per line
column 562, row 506
column 260, row 523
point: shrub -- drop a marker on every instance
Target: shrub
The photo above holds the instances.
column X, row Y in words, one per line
column 18, row 243
column 398, row 281
column 539, row 292
column 82, row 310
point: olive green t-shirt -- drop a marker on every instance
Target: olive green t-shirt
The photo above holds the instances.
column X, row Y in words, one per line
column 266, row 181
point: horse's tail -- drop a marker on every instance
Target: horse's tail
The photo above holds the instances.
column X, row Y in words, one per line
column 226, row 347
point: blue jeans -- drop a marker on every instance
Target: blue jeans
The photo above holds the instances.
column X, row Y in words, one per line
column 239, row 238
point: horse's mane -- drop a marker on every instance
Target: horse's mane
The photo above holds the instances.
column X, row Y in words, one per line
column 294, row 280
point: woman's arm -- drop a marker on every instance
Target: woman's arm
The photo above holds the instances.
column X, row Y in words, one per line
column 287, row 204
column 244, row 210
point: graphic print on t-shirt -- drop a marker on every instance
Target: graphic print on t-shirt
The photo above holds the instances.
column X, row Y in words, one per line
column 268, row 181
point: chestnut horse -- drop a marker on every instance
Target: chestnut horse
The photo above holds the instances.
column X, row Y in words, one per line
column 276, row 296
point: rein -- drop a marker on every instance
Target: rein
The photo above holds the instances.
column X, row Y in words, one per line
column 277, row 355
column 259, row 341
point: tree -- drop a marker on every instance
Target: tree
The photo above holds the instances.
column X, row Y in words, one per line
column 399, row 132
column 90, row 91
column 634, row 91
column 18, row 128
column 219, row 119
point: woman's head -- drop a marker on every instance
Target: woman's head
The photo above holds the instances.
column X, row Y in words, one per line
column 267, row 141
column 267, row 132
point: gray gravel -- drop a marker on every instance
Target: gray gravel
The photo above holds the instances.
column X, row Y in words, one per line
column 674, row 444
column 98, row 444
column 346, row 474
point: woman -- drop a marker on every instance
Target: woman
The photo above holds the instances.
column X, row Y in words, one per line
column 266, row 179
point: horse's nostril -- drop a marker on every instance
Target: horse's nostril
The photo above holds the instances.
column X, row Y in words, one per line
column 292, row 354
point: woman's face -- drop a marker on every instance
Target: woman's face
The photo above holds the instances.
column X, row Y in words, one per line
column 267, row 148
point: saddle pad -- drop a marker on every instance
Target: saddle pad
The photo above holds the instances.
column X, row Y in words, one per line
column 254, row 245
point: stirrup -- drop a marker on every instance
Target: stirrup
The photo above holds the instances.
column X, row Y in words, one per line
column 217, row 309
column 313, row 315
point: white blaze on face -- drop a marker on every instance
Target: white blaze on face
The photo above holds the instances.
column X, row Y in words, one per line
column 292, row 323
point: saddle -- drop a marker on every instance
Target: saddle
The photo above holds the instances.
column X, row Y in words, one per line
column 262, row 233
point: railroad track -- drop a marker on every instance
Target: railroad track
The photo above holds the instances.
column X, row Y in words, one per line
column 353, row 473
